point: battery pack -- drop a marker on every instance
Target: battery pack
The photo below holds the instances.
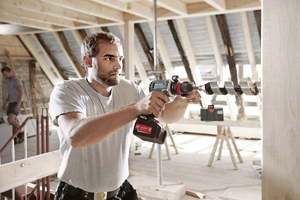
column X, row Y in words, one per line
column 149, row 130
column 212, row 113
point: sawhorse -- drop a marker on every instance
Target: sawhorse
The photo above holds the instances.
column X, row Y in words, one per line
column 224, row 133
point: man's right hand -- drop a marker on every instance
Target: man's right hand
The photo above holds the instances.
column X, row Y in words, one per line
column 4, row 107
column 153, row 103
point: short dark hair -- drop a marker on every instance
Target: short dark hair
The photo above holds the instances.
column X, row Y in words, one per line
column 5, row 69
column 90, row 45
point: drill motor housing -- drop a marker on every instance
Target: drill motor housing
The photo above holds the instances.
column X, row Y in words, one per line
column 146, row 127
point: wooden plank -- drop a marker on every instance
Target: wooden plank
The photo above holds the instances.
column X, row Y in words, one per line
column 23, row 171
column 181, row 51
column 222, row 22
column 90, row 8
column 144, row 43
column 281, row 105
column 50, row 57
column 54, row 80
column 63, row 43
column 32, row 87
column 77, row 37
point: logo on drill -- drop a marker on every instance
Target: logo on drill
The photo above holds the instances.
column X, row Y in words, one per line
column 143, row 129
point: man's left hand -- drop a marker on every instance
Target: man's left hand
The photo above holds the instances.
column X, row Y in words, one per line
column 193, row 97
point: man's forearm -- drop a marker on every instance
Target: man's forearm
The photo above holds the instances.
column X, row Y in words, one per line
column 174, row 110
column 84, row 131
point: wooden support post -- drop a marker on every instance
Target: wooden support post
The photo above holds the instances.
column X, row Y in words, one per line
column 32, row 87
column 257, row 15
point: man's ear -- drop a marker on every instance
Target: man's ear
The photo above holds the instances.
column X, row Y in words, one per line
column 87, row 61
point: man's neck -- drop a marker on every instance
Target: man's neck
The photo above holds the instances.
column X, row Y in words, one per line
column 11, row 77
column 100, row 88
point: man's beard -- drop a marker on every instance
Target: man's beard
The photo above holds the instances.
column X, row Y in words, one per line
column 107, row 81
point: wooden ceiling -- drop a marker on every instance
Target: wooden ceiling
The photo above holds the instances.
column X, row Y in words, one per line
column 58, row 15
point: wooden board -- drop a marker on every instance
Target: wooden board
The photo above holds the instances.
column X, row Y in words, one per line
column 26, row 170
column 281, row 99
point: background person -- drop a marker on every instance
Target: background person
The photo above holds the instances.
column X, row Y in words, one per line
column 14, row 100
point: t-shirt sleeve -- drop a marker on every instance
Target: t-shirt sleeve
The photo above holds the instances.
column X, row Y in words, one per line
column 18, row 82
column 65, row 99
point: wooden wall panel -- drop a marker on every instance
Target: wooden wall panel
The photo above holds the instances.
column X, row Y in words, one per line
column 281, row 99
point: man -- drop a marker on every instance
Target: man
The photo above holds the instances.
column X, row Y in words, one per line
column 96, row 115
column 14, row 100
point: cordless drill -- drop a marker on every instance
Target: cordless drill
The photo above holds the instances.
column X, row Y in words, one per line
column 146, row 127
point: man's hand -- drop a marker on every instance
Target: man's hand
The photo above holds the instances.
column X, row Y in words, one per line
column 154, row 103
column 193, row 97
column 17, row 108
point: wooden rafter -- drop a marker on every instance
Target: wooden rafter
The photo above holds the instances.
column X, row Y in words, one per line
column 54, row 80
column 257, row 15
column 144, row 43
column 51, row 57
column 175, row 6
column 222, row 22
column 181, row 51
column 62, row 41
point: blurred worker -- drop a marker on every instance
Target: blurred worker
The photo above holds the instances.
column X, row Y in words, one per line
column 14, row 100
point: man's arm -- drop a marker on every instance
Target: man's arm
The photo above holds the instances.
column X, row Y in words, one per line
column 176, row 109
column 20, row 97
column 80, row 131
column 5, row 104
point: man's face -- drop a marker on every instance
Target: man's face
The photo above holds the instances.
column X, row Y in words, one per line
column 107, row 64
column 6, row 74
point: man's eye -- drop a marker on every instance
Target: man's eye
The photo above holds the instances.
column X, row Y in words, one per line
column 108, row 58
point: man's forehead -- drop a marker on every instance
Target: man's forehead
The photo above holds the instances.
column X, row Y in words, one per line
column 114, row 49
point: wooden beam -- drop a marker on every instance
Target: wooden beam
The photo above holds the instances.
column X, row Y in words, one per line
column 175, row 6
column 133, row 8
column 33, row 16
column 257, row 15
column 27, row 170
column 89, row 8
column 32, row 73
column 217, row 4
column 54, row 80
column 144, row 43
column 222, row 22
column 63, row 43
column 77, row 37
column 26, row 22
column 163, row 52
column 280, row 75
column 48, row 53
column 129, row 50
column 249, row 43
column 181, row 51
column 53, row 10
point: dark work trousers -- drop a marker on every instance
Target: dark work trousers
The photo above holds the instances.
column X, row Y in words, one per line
column 63, row 192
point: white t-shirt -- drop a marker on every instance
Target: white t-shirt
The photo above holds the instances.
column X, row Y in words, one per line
column 104, row 166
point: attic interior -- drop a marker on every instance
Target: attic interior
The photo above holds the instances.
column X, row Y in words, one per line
column 201, row 41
